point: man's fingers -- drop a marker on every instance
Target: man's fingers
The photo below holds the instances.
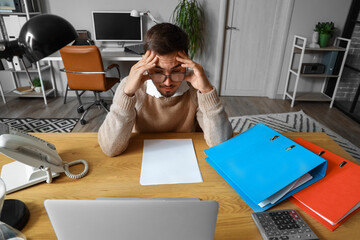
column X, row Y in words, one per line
column 186, row 61
column 154, row 60
column 149, row 62
column 150, row 57
column 147, row 54
column 183, row 54
column 189, row 65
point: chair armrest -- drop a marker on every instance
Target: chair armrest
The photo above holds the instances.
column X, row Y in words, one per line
column 66, row 71
column 114, row 66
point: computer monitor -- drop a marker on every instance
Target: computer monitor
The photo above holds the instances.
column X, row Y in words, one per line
column 117, row 26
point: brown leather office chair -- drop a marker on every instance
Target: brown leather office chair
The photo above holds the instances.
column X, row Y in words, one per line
column 85, row 71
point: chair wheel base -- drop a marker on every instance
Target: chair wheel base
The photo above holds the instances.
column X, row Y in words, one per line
column 82, row 122
column 80, row 110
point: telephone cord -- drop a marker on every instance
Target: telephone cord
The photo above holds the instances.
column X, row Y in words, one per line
column 76, row 176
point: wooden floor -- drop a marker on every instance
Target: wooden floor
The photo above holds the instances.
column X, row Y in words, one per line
column 235, row 106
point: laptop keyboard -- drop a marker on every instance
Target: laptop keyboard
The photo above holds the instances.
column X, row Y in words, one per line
column 137, row 48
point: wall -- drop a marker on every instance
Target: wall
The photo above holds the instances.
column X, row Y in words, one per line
column 306, row 14
column 78, row 13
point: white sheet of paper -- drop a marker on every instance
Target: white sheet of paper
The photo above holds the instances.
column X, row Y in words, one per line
column 169, row 161
column 277, row 196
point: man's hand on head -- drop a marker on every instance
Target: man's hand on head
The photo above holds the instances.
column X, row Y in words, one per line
column 136, row 76
column 198, row 79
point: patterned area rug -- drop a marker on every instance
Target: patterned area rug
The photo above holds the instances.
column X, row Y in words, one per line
column 44, row 125
column 292, row 122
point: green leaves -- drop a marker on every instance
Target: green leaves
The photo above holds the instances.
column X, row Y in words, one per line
column 325, row 28
column 36, row 82
column 189, row 16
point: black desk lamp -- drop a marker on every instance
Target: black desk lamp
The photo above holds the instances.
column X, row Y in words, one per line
column 39, row 37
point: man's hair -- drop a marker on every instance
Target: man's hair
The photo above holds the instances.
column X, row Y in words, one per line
column 165, row 38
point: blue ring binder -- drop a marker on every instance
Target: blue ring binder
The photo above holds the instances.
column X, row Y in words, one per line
column 257, row 165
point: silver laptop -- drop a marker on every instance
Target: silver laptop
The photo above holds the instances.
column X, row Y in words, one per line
column 132, row 219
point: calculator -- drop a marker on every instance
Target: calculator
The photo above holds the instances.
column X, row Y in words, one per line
column 282, row 224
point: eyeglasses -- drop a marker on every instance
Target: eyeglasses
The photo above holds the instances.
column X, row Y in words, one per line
column 174, row 76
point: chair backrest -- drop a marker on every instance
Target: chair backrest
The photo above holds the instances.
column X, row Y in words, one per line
column 84, row 59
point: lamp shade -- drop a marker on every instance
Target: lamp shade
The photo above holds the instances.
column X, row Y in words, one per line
column 43, row 35
column 134, row 13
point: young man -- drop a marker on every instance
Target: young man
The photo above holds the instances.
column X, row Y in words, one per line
column 162, row 95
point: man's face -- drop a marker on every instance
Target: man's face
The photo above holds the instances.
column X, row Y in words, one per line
column 167, row 64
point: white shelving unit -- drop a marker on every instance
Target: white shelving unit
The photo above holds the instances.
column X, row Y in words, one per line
column 299, row 48
column 38, row 68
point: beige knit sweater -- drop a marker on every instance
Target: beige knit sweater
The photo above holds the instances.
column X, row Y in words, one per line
column 145, row 113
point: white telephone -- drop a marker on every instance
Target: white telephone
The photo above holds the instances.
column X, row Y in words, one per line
column 40, row 160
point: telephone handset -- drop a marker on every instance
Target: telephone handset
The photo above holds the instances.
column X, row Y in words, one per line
column 42, row 156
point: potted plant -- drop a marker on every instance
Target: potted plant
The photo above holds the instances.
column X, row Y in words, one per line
column 326, row 31
column 189, row 16
column 37, row 84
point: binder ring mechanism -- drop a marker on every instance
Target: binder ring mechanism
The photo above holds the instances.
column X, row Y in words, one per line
column 291, row 147
column 274, row 137
column 321, row 153
column 342, row 164
column 287, row 149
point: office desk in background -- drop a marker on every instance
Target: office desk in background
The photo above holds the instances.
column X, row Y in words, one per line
column 120, row 177
column 106, row 56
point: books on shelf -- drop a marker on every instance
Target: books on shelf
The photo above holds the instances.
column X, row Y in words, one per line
column 7, row 6
column 18, row 6
column 23, row 90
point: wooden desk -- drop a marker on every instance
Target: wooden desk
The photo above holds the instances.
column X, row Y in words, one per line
column 120, row 176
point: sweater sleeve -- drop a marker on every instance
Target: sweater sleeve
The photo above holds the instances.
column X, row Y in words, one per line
column 213, row 119
column 115, row 131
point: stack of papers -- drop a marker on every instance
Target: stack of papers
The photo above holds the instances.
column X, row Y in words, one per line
column 169, row 161
column 277, row 196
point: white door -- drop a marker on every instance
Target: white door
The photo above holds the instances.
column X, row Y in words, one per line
column 254, row 46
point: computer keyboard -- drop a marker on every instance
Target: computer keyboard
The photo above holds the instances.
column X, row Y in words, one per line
column 112, row 50
column 137, row 48
column 282, row 224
